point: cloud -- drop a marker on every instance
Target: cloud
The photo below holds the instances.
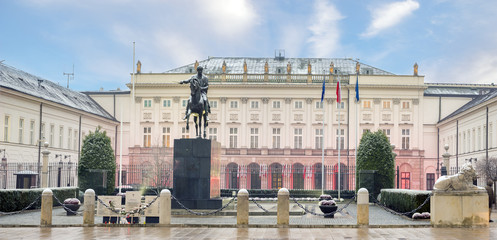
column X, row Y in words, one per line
column 324, row 29
column 389, row 15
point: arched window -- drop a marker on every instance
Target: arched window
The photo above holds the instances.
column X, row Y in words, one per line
column 255, row 176
column 344, row 177
column 298, row 176
column 318, row 176
column 276, row 176
column 232, row 176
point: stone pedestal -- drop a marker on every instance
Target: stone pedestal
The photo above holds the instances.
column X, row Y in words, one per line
column 283, row 208
column 363, row 207
column 459, row 208
column 242, row 207
column 196, row 176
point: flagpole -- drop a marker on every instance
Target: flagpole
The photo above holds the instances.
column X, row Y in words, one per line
column 356, row 118
column 322, row 142
column 121, row 152
column 339, row 134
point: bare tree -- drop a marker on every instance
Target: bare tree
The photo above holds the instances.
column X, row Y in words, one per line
column 487, row 168
column 158, row 174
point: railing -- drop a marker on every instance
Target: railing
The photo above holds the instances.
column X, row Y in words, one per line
column 25, row 175
column 275, row 176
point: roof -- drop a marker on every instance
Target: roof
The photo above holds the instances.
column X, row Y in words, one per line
column 476, row 101
column 452, row 89
column 29, row 84
column 234, row 65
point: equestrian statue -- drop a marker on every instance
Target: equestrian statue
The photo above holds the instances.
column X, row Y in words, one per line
column 198, row 105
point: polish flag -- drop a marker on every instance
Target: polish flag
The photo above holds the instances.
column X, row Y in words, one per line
column 339, row 92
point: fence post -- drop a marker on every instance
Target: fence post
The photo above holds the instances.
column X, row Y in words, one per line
column 165, row 207
column 363, row 207
column 242, row 207
column 283, row 209
column 46, row 207
column 89, row 204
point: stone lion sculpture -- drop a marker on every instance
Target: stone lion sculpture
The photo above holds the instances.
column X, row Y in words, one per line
column 461, row 181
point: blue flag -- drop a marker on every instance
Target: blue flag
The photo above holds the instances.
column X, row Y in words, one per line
column 357, row 88
column 322, row 94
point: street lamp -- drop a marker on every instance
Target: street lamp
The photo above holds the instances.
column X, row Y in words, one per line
column 69, row 166
column 4, row 167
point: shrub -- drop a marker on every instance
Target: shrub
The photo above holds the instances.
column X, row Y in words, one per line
column 375, row 153
column 16, row 199
column 404, row 200
column 97, row 156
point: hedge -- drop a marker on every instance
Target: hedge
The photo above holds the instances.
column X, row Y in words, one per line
column 16, row 199
column 297, row 193
column 404, row 200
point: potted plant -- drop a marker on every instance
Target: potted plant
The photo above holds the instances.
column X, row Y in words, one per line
column 73, row 204
column 327, row 206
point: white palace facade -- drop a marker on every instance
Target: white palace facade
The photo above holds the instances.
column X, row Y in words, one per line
column 267, row 114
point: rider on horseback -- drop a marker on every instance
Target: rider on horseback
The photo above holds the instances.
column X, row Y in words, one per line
column 204, row 86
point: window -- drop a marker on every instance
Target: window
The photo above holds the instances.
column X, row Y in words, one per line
column 166, row 137
column 276, row 104
column 473, row 140
column 430, row 181
column 254, row 104
column 387, row 133
column 75, row 137
column 52, row 132
column 254, row 137
column 364, row 131
column 405, row 180
column 405, row 138
column 340, row 139
column 43, row 131
column 319, row 105
column 298, row 104
column 184, row 102
column 166, row 103
column 386, row 104
column 213, row 104
column 276, row 137
column 233, row 137
column 6, row 129
column 185, row 133
column 479, row 138
column 297, row 138
column 147, row 103
column 32, row 132
column 61, row 136
column 147, row 136
column 490, row 144
column 233, row 104
column 366, row 104
column 340, row 105
column 406, row 105
column 213, row 134
column 319, row 139
column 69, row 138
column 21, row 130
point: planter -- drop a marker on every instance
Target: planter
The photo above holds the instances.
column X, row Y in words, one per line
column 328, row 209
column 73, row 207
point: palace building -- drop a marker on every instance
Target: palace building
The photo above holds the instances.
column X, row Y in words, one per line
column 268, row 116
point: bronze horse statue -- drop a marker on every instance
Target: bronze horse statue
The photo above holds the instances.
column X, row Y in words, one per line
column 197, row 108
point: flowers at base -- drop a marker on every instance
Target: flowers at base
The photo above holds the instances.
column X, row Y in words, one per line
column 327, row 203
column 73, row 201
column 325, row 197
column 425, row 215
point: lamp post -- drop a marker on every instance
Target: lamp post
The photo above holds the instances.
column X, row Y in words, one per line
column 61, row 164
column 69, row 166
column 446, row 160
column 4, row 168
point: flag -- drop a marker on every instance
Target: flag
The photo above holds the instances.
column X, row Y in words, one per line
column 339, row 92
column 357, row 88
column 322, row 93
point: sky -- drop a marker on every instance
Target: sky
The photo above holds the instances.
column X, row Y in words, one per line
column 453, row 41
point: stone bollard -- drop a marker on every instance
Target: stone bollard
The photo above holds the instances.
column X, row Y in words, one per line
column 283, row 209
column 363, row 207
column 46, row 207
column 242, row 207
column 89, row 204
column 165, row 207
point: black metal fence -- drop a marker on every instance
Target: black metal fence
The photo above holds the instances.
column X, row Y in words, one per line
column 25, row 175
column 158, row 175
